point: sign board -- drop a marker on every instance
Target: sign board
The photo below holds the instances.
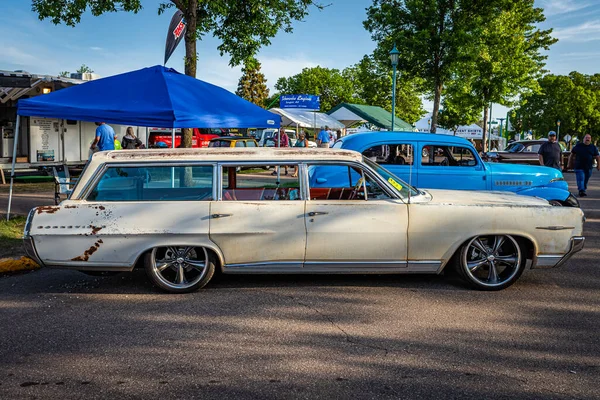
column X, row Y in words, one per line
column 567, row 138
column 45, row 140
column 304, row 101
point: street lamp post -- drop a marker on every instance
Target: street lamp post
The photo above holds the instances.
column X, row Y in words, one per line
column 394, row 56
column 558, row 130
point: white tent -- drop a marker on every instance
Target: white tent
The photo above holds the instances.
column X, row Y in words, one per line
column 306, row 119
column 424, row 125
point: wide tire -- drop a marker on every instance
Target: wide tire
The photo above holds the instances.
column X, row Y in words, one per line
column 179, row 269
column 490, row 262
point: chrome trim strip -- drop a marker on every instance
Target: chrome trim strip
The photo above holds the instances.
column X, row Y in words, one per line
column 30, row 250
column 555, row 261
column 555, row 228
column 265, row 264
column 355, row 262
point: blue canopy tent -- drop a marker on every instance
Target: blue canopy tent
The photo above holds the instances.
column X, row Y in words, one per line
column 154, row 96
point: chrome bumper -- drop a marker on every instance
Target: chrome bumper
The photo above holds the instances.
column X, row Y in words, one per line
column 30, row 249
column 553, row 261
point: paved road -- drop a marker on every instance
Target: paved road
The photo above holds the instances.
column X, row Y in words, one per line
column 64, row 335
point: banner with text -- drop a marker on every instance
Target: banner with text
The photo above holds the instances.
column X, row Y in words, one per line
column 304, row 101
column 176, row 31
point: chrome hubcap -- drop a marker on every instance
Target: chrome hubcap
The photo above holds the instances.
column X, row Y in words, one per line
column 492, row 260
column 179, row 267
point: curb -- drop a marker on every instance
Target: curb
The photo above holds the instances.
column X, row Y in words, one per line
column 16, row 265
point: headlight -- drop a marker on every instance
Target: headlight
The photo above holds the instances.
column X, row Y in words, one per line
column 558, row 180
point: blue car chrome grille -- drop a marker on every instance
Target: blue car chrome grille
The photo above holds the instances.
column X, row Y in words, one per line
column 513, row 183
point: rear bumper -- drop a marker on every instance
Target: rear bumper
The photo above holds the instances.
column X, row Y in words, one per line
column 554, row 261
column 30, row 250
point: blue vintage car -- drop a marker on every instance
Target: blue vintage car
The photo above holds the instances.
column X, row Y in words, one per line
column 449, row 162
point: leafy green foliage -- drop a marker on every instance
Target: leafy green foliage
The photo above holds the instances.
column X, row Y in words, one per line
column 252, row 86
column 328, row 83
column 372, row 83
column 69, row 12
column 64, row 74
column 573, row 99
column 84, row 69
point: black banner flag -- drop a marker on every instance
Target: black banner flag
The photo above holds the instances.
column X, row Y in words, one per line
column 177, row 29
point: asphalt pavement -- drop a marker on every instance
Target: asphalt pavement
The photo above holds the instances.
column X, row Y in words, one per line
column 64, row 335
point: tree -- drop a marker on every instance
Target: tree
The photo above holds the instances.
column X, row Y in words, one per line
column 573, row 99
column 430, row 35
column 506, row 60
column 330, row 84
column 242, row 27
column 372, row 83
column 84, row 69
column 64, row 74
column 253, row 85
column 458, row 108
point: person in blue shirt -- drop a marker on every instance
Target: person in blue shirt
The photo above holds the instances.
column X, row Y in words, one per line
column 323, row 138
column 584, row 153
column 105, row 137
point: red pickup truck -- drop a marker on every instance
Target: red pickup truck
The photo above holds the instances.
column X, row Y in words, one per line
column 161, row 137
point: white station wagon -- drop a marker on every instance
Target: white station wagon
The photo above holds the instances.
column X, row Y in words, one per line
column 182, row 214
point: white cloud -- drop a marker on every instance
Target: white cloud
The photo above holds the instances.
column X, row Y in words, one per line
column 557, row 7
column 585, row 32
column 94, row 48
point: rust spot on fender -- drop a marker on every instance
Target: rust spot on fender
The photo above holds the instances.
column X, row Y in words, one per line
column 96, row 229
column 86, row 254
column 71, row 206
column 47, row 209
column 102, row 208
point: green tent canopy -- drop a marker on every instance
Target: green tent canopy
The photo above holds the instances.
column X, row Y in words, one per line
column 351, row 114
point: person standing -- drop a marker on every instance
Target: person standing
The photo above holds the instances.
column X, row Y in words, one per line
column 584, row 154
column 105, row 137
column 323, row 138
column 281, row 140
column 550, row 152
column 301, row 142
column 130, row 141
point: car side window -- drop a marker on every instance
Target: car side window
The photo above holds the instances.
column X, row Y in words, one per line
column 343, row 182
column 447, row 156
column 240, row 143
column 534, row 148
column 250, row 143
column 160, row 183
column 259, row 183
column 392, row 153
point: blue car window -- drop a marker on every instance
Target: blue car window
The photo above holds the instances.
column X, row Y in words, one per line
column 447, row 156
column 391, row 153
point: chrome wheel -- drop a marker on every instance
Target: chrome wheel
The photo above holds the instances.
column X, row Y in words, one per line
column 491, row 262
column 179, row 269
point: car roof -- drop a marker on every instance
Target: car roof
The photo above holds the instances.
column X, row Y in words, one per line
column 231, row 138
column 225, row 154
column 364, row 138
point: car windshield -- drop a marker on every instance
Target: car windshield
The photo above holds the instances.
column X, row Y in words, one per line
column 402, row 187
column 515, row 147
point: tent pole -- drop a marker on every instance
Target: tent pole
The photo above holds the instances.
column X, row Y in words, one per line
column 173, row 146
column 12, row 171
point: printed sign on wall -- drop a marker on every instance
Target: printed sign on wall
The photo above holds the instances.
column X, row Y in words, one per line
column 304, row 101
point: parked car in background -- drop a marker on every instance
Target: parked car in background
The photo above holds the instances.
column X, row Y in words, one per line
column 266, row 137
column 162, row 137
column 182, row 227
column 233, row 141
column 524, row 152
column 450, row 162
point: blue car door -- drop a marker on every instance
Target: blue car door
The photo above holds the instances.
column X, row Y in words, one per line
column 448, row 166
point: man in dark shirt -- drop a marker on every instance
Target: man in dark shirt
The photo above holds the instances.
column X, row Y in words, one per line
column 584, row 157
column 549, row 152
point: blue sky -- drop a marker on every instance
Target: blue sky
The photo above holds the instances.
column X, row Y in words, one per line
column 334, row 38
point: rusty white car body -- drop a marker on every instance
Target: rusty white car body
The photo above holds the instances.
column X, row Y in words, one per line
column 183, row 213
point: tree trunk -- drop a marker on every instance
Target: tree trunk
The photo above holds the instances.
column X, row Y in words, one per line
column 191, row 15
column 436, row 106
column 485, row 124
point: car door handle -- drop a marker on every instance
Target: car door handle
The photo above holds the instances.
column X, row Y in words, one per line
column 220, row 215
column 313, row 213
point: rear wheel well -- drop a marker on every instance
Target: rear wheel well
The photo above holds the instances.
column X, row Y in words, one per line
column 213, row 255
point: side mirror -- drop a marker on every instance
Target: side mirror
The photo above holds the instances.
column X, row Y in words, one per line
column 321, row 180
